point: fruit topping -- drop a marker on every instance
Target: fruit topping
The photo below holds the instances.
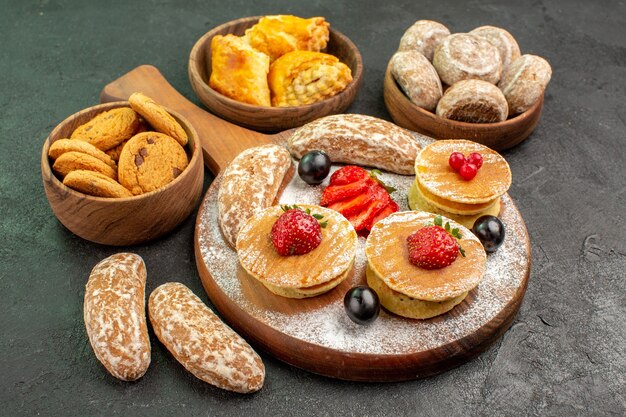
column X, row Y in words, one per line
column 490, row 231
column 348, row 174
column 466, row 167
column 476, row 159
column 296, row 231
column 359, row 196
column 434, row 246
column 468, row 171
column 456, row 161
column 335, row 193
column 314, row 166
column 362, row 304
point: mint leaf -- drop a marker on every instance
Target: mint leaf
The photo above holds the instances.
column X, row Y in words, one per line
column 323, row 225
column 318, row 216
column 438, row 221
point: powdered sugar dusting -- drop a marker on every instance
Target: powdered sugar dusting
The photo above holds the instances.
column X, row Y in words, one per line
column 329, row 327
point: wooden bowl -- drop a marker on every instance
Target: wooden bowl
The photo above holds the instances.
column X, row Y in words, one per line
column 123, row 221
column 270, row 119
column 498, row 136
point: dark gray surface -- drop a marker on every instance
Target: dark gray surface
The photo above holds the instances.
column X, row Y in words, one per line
column 565, row 353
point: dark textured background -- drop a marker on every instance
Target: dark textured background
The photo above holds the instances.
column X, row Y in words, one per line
column 565, row 353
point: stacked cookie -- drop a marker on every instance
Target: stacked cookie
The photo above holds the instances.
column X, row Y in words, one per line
column 116, row 154
column 477, row 77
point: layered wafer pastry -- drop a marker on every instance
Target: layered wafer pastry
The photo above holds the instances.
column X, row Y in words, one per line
column 239, row 71
column 304, row 77
column 277, row 35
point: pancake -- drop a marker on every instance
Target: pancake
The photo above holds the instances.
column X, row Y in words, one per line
column 297, row 276
column 451, row 206
column 406, row 306
column 387, row 255
column 419, row 203
column 435, row 175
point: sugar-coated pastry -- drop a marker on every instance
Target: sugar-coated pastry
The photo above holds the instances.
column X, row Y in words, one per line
column 417, row 77
column 423, row 36
column 463, row 56
column 277, row 35
column 525, row 82
column 501, row 39
column 239, row 71
column 304, row 77
column 473, row 101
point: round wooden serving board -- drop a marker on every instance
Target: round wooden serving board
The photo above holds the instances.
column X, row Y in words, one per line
column 315, row 334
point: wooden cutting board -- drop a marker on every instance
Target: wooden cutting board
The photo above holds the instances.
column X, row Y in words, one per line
column 315, row 334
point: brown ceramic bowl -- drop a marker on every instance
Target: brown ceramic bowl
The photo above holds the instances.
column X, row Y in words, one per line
column 123, row 221
column 270, row 119
column 498, row 136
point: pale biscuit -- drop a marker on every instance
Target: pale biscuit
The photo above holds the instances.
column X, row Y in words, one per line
column 108, row 129
column 72, row 161
column 96, row 184
column 158, row 117
column 60, row 146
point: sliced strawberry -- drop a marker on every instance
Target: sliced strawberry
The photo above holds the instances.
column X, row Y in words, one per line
column 380, row 200
column 334, row 193
column 347, row 175
column 352, row 205
column 392, row 207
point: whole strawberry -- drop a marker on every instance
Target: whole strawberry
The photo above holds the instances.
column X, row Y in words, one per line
column 296, row 233
column 432, row 247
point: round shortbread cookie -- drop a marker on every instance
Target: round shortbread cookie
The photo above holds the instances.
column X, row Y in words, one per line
column 502, row 40
column 108, row 129
column 473, row 101
column 388, row 256
column 435, row 175
column 525, row 82
column 96, row 184
column 158, row 117
column 72, row 161
column 417, row 77
column 297, row 274
column 149, row 161
column 423, row 37
column 406, row 306
column 462, row 56
column 61, row 146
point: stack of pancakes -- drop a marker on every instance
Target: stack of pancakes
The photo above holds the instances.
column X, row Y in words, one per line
column 441, row 190
column 297, row 276
column 411, row 291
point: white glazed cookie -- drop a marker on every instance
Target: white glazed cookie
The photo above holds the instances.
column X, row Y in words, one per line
column 249, row 184
column 502, row 40
column 417, row 78
column 201, row 342
column 525, row 82
column 462, row 56
column 473, row 101
column 423, row 36
column 115, row 315
column 360, row 140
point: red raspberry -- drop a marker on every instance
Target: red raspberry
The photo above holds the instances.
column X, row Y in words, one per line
column 432, row 248
column 456, row 161
column 468, row 171
column 296, row 233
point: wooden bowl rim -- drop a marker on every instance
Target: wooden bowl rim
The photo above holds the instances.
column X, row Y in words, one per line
column 194, row 62
column 97, row 109
column 479, row 127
